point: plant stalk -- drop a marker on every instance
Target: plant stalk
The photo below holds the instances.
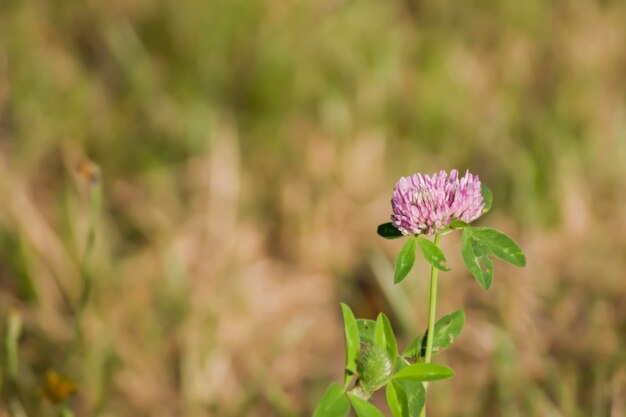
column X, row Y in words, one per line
column 95, row 202
column 94, row 214
column 361, row 392
column 432, row 307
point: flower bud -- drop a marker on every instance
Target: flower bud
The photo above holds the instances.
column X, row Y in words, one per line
column 374, row 368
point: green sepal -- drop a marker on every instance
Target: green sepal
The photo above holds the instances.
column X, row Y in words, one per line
column 458, row 224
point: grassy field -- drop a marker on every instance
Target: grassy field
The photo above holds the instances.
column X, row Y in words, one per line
column 246, row 151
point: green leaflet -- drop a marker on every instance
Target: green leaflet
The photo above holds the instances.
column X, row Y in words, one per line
column 432, row 254
column 475, row 255
column 362, row 408
column 405, row 398
column 353, row 346
column 487, row 197
column 366, row 330
column 424, row 372
column 479, row 243
column 334, row 403
column 391, row 346
column 447, row 329
column 396, row 401
column 500, row 245
column 405, row 261
column 388, row 231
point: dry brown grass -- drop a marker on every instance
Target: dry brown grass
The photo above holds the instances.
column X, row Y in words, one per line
column 248, row 152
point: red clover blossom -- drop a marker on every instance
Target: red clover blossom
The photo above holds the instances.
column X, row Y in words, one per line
column 425, row 204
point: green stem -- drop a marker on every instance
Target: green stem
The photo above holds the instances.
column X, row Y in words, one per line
column 11, row 345
column 360, row 392
column 432, row 306
column 94, row 213
column 95, row 202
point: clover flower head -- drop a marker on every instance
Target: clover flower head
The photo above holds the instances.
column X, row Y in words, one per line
column 425, row 204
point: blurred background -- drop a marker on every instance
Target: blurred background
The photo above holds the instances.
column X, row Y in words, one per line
column 246, row 151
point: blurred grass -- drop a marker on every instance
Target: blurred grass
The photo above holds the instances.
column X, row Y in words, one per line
column 248, row 150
